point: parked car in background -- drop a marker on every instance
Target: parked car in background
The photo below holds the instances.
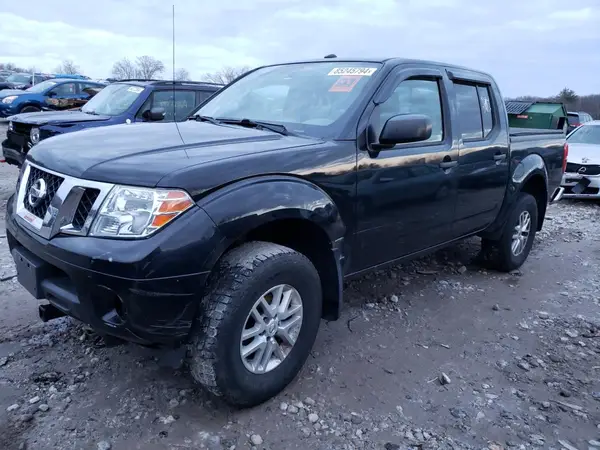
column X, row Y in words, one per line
column 578, row 118
column 70, row 75
column 22, row 81
column 230, row 235
column 4, row 74
column 117, row 103
column 582, row 177
column 56, row 93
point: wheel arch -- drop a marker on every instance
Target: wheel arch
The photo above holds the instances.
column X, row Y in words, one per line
column 288, row 211
column 530, row 176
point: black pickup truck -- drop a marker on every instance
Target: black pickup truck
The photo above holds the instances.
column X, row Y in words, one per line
column 230, row 235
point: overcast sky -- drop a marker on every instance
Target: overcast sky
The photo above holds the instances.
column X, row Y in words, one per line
column 530, row 46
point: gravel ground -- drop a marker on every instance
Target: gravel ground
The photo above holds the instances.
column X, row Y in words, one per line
column 435, row 354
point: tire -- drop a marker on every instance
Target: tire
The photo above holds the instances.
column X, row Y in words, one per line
column 215, row 350
column 30, row 109
column 500, row 254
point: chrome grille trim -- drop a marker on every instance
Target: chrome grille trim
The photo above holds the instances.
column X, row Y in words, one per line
column 64, row 204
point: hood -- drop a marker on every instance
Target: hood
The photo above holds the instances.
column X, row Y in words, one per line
column 584, row 153
column 57, row 117
column 8, row 92
column 143, row 153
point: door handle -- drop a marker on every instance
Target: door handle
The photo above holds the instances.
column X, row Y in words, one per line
column 447, row 164
column 499, row 156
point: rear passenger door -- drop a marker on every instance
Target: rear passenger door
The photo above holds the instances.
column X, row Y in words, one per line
column 483, row 151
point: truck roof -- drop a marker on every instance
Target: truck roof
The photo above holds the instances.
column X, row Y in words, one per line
column 392, row 61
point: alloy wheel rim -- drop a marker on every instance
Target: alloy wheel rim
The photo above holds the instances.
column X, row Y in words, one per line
column 271, row 329
column 521, row 233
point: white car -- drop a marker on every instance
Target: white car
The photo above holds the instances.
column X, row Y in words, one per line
column 582, row 176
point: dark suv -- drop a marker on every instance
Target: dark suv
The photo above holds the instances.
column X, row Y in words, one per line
column 577, row 118
column 126, row 101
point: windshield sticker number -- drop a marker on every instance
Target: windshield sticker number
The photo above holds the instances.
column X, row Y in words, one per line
column 359, row 71
column 135, row 89
column 345, row 83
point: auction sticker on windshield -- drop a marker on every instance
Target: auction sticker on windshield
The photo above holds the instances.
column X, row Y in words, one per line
column 345, row 83
column 135, row 89
column 359, row 71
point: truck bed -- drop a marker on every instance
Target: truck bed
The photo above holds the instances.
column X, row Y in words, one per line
column 519, row 132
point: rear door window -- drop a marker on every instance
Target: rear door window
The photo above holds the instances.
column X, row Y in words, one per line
column 474, row 103
column 469, row 113
column 485, row 103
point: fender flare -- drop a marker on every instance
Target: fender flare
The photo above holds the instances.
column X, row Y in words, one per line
column 530, row 166
column 245, row 205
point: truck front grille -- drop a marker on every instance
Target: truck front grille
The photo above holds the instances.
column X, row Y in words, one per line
column 22, row 128
column 52, row 181
column 70, row 201
column 85, row 206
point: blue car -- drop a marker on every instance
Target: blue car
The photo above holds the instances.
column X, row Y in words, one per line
column 122, row 102
column 55, row 94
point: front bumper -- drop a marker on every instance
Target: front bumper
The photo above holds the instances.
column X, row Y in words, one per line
column 145, row 291
column 7, row 110
column 576, row 185
column 12, row 155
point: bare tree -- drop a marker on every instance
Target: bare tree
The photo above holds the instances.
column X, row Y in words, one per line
column 226, row 75
column 182, row 75
column 33, row 69
column 124, row 69
column 67, row 67
column 149, row 67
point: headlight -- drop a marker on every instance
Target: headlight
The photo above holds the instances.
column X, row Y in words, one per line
column 8, row 100
column 10, row 126
column 130, row 212
column 34, row 135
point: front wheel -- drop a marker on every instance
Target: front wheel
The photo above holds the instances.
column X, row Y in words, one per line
column 512, row 249
column 30, row 109
column 257, row 323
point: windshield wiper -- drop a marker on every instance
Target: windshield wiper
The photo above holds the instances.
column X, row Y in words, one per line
column 205, row 119
column 274, row 127
column 91, row 111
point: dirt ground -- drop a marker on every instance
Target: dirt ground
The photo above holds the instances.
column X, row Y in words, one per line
column 518, row 355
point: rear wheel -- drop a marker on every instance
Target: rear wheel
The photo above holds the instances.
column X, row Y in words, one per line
column 30, row 109
column 258, row 323
column 512, row 249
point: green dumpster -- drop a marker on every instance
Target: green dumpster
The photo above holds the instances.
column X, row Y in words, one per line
column 541, row 115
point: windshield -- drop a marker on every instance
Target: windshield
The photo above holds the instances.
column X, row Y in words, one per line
column 18, row 78
column 587, row 134
column 41, row 87
column 306, row 98
column 113, row 100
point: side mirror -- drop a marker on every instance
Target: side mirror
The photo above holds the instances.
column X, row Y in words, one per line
column 154, row 114
column 51, row 94
column 405, row 128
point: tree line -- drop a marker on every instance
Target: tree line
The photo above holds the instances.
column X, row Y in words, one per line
column 145, row 67
column 586, row 103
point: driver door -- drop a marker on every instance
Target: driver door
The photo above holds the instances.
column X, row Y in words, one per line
column 177, row 104
column 406, row 194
